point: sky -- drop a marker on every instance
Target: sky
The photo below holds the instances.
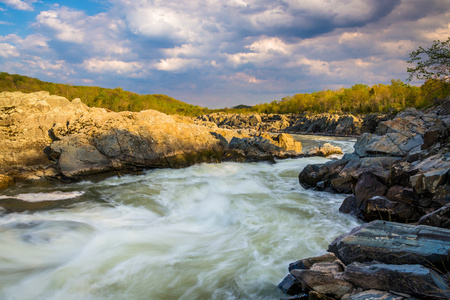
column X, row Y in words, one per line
column 218, row 53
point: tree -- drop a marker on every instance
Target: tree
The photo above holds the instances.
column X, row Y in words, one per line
column 431, row 63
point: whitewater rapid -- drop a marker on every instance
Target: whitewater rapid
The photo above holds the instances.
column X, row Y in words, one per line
column 210, row 231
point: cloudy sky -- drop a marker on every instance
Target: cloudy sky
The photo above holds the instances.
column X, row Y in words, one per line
column 217, row 53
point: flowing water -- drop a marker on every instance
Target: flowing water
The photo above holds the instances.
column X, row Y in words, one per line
column 210, row 231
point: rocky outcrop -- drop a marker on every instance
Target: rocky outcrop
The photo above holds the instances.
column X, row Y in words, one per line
column 324, row 150
column 398, row 173
column 50, row 137
column 383, row 260
column 324, row 124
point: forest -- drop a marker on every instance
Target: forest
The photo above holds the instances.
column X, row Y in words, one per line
column 358, row 99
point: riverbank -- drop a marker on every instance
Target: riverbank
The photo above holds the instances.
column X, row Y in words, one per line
column 52, row 139
column 399, row 173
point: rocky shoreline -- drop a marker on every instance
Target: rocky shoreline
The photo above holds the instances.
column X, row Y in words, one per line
column 49, row 138
column 398, row 173
column 321, row 124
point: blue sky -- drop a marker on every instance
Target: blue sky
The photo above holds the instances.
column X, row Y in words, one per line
column 218, row 53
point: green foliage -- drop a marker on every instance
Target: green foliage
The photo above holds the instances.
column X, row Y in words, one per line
column 432, row 63
column 113, row 99
column 360, row 99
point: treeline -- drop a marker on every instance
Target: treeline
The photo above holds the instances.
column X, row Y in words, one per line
column 360, row 99
column 114, row 99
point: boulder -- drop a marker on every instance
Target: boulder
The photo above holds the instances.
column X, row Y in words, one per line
column 287, row 142
column 394, row 243
column 368, row 186
column 307, row 263
column 415, row 280
column 327, row 280
column 315, row 173
column 324, row 150
column 290, row 285
column 25, row 120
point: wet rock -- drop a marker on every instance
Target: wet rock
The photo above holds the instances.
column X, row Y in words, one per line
column 415, row 280
column 38, row 201
column 307, row 263
column 325, row 279
column 322, row 274
column 312, row 174
column 394, row 243
column 290, row 285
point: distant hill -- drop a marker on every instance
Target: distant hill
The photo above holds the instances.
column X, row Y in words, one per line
column 114, row 99
column 242, row 106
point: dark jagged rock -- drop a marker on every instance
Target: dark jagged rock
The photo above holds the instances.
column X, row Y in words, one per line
column 324, row 278
column 415, row 280
column 394, row 243
column 290, row 285
column 400, row 172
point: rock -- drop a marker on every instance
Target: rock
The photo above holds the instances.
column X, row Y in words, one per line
column 324, row 150
column 307, row 263
column 438, row 218
column 375, row 295
column 368, row 186
column 290, row 285
column 328, row 124
column 411, row 279
column 287, row 142
column 325, row 281
column 38, row 201
column 24, row 123
column 299, row 296
column 379, row 207
column 313, row 295
column 394, row 243
column 314, row 173
column 323, row 274
column 350, row 206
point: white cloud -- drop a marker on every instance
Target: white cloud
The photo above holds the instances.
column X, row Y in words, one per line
column 177, row 64
column 96, row 65
column 7, row 50
column 19, row 5
column 65, row 24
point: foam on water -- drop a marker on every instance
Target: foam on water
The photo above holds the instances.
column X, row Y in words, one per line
column 211, row 231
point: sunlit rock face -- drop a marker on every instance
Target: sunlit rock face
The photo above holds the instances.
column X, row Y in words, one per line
column 51, row 137
column 24, row 123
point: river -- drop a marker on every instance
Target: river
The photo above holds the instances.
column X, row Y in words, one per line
column 210, row 231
